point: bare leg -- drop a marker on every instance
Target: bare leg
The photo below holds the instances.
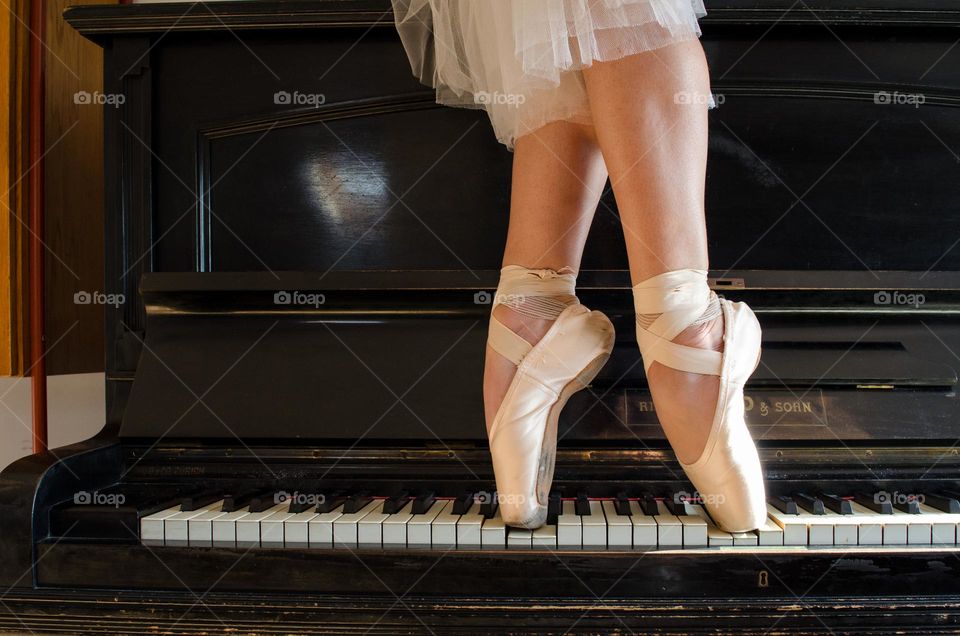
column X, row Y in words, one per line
column 656, row 149
column 558, row 177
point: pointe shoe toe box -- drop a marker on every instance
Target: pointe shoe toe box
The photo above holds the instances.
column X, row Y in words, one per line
column 565, row 359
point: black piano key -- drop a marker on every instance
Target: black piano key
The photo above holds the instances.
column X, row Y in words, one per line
column 357, row 501
column 811, row 504
column 302, row 501
column 943, row 502
column 553, row 508
column 423, row 502
column 395, row 503
column 836, row 504
column 331, row 501
column 622, row 505
column 674, row 505
column 237, row 501
column 263, row 501
column 463, row 503
column 581, row 504
column 784, row 504
column 648, row 503
column 489, row 502
column 879, row 505
column 189, row 503
column 909, row 505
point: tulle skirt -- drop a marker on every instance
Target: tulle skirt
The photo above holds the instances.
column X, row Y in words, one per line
column 521, row 60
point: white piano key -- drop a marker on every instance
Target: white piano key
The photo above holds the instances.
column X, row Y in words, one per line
column 569, row 528
column 644, row 527
column 669, row 528
column 715, row 536
column 594, row 527
column 468, row 528
column 296, row 529
column 770, row 533
column 943, row 525
column 151, row 527
column 224, row 528
column 394, row 527
column 320, row 528
column 345, row 526
column 444, row 528
column 545, row 537
column 493, row 533
column 794, row 528
column 745, row 538
column 248, row 526
column 869, row 529
column 272, row 528
column 370, row 528
column 845, row 530
column 175, row 528
column 200, row 528
column 894, row 528
column 918, row 529
column 694, row 527
column 819, row 528
column 519, row 538
column 619, row 527
column 420, row 527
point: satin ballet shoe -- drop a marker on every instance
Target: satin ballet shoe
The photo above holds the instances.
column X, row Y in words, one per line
column 727, row 475
column 523, row 435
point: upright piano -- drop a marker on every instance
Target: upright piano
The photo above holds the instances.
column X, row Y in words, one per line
column 306, row 244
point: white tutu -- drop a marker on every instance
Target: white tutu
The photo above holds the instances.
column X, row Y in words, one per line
column 521, row 59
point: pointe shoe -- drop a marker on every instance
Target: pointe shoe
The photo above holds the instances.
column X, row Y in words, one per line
column 523, row 435
column 727, row 475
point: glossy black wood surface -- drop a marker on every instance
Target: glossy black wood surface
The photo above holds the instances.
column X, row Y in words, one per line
column 821, row 156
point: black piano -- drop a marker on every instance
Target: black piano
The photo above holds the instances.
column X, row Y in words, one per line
column 306, row 244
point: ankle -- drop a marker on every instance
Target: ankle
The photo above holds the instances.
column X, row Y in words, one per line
column 704, row 335
column 529, row 328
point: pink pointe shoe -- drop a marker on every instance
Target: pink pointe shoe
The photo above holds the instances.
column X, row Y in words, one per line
column 523, row 435
column 727, row 474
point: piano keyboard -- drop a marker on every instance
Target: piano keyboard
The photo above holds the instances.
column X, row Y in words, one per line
column 622, row 523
